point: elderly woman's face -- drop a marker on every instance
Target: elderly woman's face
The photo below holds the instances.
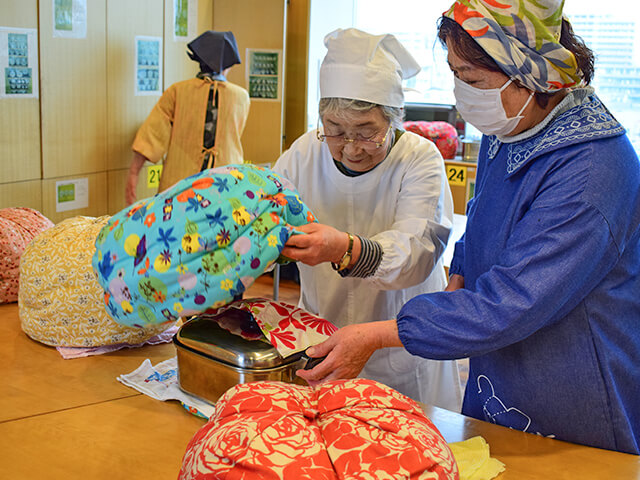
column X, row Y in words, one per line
column 358, row 155
column 513, row 97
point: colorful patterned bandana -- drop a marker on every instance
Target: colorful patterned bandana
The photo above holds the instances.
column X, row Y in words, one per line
column 197, row 245
column 523, row 39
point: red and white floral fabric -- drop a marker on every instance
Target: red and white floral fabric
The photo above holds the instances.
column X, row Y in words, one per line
column 18, row 226
column 356, row 429
column 288, row 328
column 443, row 134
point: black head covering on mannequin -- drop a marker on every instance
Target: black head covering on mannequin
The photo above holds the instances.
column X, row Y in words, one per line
column 215, row 51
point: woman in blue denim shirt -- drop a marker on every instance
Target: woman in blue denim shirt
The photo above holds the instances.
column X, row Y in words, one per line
column 544, row 292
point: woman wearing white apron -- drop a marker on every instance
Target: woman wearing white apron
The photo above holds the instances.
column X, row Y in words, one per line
column 383, row 206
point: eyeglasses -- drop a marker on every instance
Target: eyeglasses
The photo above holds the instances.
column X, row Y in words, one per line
column 341, row 140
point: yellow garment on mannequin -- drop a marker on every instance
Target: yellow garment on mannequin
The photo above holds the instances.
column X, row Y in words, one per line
column 175, row 127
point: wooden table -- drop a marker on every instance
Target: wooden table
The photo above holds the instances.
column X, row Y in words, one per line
column 529, row 456
column 71, row 419
column 37, row 380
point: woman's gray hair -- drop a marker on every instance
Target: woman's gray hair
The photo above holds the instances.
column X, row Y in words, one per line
column 337, row 106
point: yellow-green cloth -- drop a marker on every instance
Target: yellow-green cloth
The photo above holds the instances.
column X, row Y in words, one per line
column 474, row 461
column 523, row 38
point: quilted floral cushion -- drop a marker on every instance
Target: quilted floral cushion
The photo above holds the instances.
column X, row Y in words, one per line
column 18, row 226
column 60, row 301
column 342, row 429
column 197, row 245
column 443, row 134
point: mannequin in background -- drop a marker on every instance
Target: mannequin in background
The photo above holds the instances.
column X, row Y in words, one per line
column 197, row 123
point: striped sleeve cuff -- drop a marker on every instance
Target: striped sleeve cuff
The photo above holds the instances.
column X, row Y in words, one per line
column 369, row 261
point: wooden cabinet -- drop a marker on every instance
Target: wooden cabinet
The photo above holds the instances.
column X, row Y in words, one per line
column 21, row 194
column 259, row 24
column 462, row 180
column 96, row 196
column 19, row 117
column 83, row 121
column 296, row 70
column 73, row 95
column 126, row 110
column 81, row 124
column 116, row 183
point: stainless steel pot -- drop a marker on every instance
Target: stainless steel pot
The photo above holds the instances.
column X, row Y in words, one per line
column 211, row 360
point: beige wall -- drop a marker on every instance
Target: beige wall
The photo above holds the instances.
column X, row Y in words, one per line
column 259, row 24
column 19, row 118
column 87, row 113
column 296, row 70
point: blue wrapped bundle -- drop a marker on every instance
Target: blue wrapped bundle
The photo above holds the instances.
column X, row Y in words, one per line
column 196, row 245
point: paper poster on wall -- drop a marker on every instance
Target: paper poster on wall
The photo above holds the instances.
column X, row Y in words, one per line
column 18, row 63
column 70, row 18
column 185, row 20
column 263, row 73
column 72, row 194
column 148, row 65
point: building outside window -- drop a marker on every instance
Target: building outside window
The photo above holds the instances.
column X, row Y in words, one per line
column 611, row 30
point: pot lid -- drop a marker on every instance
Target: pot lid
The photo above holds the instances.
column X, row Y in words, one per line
column 205, row 336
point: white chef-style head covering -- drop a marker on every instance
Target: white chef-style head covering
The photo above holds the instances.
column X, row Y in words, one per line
column 367, row 67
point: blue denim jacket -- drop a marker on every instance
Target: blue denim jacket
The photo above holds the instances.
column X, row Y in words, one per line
column 550, row 312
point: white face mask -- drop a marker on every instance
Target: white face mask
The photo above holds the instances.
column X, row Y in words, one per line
column 483, row 108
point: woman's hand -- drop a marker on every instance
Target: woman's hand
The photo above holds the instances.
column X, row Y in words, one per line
column 456, row 282
column 348, row 350
column 321, row 243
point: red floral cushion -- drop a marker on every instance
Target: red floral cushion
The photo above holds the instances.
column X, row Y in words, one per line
column 443, row 134
column 342, row 429
column 18, row 226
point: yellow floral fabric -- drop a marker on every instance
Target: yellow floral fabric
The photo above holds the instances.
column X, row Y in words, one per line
column 60, row 301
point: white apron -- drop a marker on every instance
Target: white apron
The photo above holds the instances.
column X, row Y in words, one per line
column 404, row 204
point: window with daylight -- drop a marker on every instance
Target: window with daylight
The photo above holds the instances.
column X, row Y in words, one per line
column 611, row 30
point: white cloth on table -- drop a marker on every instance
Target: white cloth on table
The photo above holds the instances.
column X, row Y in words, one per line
column 161, row 383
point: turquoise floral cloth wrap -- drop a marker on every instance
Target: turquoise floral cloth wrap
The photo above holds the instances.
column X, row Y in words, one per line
column 523, row 38
column 196, row 245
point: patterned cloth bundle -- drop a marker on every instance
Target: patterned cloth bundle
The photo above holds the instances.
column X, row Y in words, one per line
column 18, row 226
column 197, row 245
column 342, row 429
column 60, row 301
column 287, row 328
